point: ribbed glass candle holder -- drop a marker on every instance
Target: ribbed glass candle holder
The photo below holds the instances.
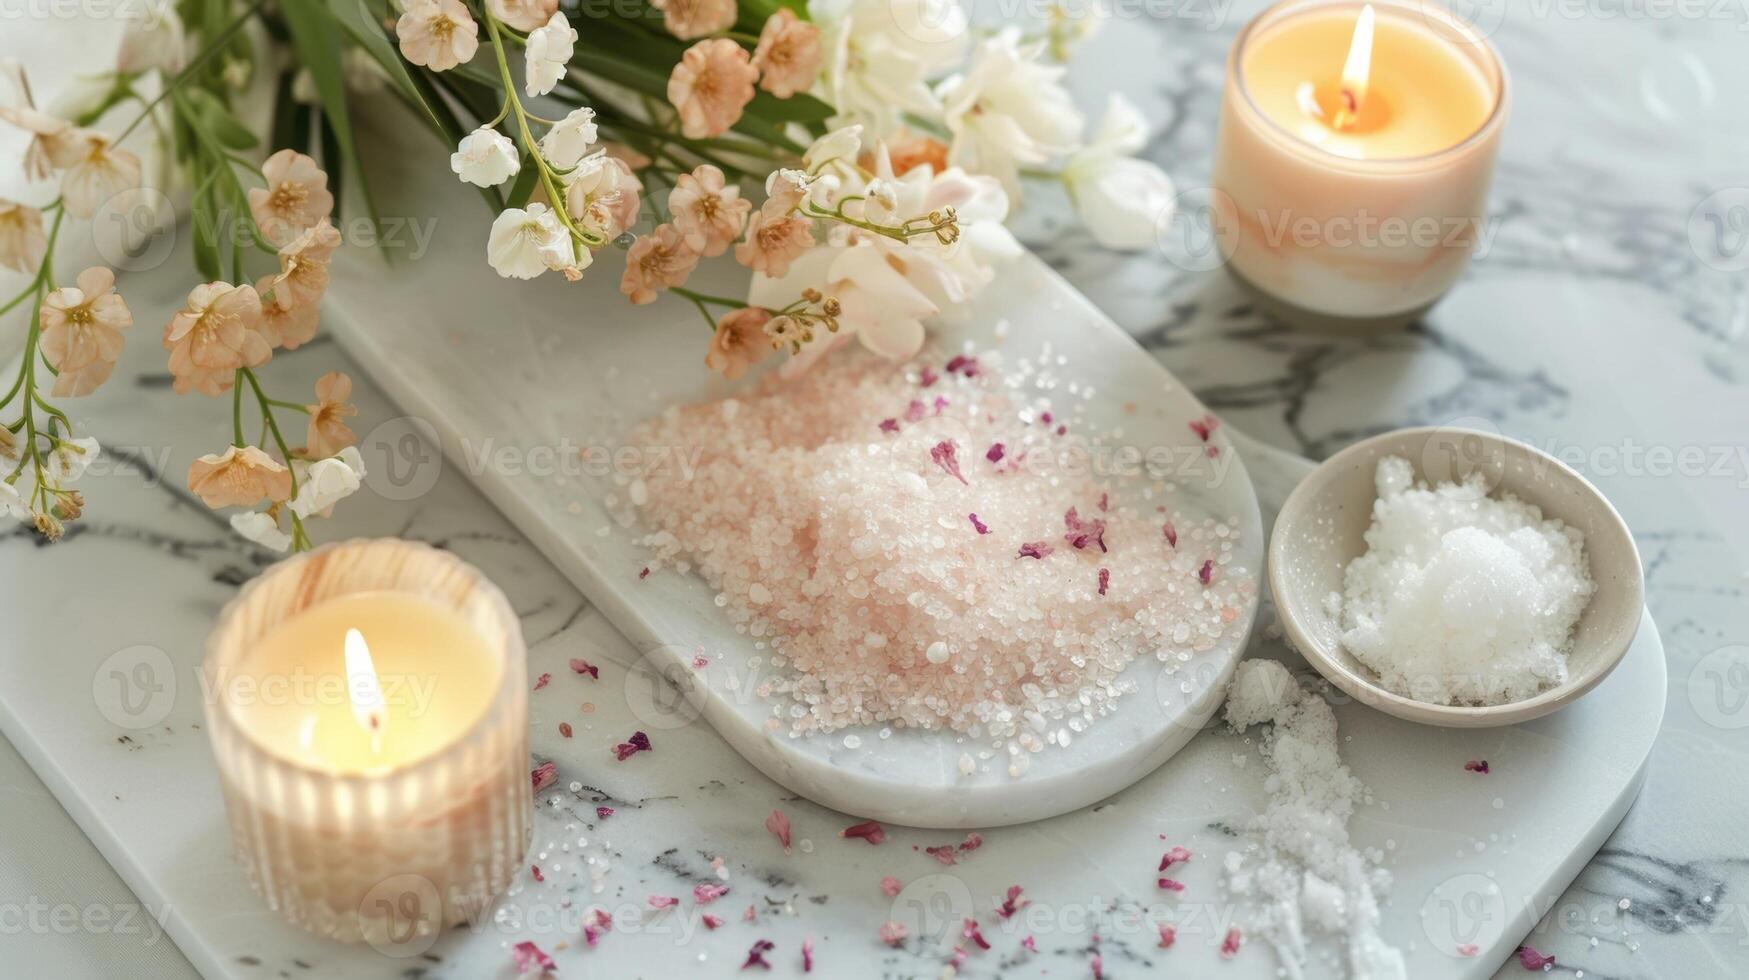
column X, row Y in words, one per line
column 390, row 858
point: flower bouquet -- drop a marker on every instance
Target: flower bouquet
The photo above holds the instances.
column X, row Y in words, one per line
column 857, row 157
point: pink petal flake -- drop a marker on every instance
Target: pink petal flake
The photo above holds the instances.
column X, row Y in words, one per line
column 603, row 812
column 1178, row 855
column 639, row 742
column 1029, row 944
column 1045, row 418
column 871, row 831
column 756, row 955
column 662, row 901
column 995, row 452
column 1168, row 935
column 778, row 824
column 1230, row 944
column 980, row 526
column 705, row 893
column 914, row 412
column 943, row 853
column 963, row 364
column 973, row 841
column 1098, row 965
column 545, row 774
column 808, row 955
column 1205, row 427
column 1035, row 549
column 940, row 403
column 890, row 886
column 969, row 929
column 1011, row 903
column 581, row 666
column 1477, row 766
column 1104, row 580
column 1105, row 501
column 1171, row 535
column 534, row 869
column 1530, row 959
column 1171, row 885
column 591, row 936
column 644, row 573
column 528, row 955
column 889, row 425
column 710, row 921
column 943, row 454
column 749, row 915
column 565, row 729
column 1083, row 533
column 542, row 681
column 1468, row 949
column 928, row 377
column 892, row 933
column 1206, row 573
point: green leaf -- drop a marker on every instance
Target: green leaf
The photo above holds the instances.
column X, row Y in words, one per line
column 316, row 36
column 218, row 120
column 352, row 16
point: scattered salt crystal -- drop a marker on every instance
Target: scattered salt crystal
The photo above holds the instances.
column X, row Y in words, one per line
column 936, row 653
column 1462, row 598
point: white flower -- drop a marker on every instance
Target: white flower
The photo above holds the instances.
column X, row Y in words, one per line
column 70, row 459
column 152, row 39
column 881, row 54
column 524, row 244
column 12, row 503
column 485, row 158
column 570, row 138
column 256, row 526
column 1008, row 111
column 840, row 146
column 1121, row 200
column 326, row 482
column 549, row 52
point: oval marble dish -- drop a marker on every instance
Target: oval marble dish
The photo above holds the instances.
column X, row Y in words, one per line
column 1322, row 527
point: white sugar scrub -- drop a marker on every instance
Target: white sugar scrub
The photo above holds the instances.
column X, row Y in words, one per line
column 1463, row 598
column 925, row 545
column 1301, row 878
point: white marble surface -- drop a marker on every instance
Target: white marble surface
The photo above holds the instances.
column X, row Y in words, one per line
column 1591, row 326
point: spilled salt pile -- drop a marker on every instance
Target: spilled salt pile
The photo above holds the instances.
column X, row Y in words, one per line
column 1302, row 878
column 1462, row 598
column 918, row 547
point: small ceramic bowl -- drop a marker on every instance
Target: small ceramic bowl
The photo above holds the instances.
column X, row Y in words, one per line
column 1322, row 528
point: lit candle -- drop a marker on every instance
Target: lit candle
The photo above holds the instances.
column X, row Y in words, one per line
column 1356, row 147
column 368, row 707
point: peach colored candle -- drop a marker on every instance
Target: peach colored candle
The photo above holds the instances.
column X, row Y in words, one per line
column 1356, row 146
column 368, row 708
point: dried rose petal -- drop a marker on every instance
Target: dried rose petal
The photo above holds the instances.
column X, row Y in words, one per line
column 1477, row 765
column 1171, row 534
column 591, row 936
column 662, row 901
column 1105, row 501
column 962, row 364
column 639, row 742
column 1468, row 949
column 542, row 681
column 1230, row 944
column 980, row 525
column 545, row 774
column 892, row 933
column 1168, row 935
column 871, row 831
column 778, row 824
column 711, row 921
column 808, row 955
column 1171, row 885
column 534, row 869
column 928, row 377
column 889, row 425
column 749, row 915
column 942, row 853
column 644, row 573
column 940, row 403
column 1530, row 959
column 969, row 929
column 1029, row 944
column 1205, row 426
column 603, row 812
column 995, row 452
column 973, row 841
column 565, row 729
column 527, row 954
column 581, row 666
column 1082, row 533
column 1098, row 967
column 1206, row 573
column 1035, row 549
column 756, row 955
column 890, row 886
column 943, row 454
column 1104, row 580
column 1178, row 855
column 914, row 412
column 1012, row 903
column 1045, row 418
column 705, row 893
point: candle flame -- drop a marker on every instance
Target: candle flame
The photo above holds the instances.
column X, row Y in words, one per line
column 361, row 683
column 1357, row 69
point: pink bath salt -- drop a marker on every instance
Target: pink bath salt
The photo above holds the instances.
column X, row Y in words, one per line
column 778, row 824
column 889, row 425
column 1035, row 549
column 890, row 886
column 943, row 456
column 639, row 742
column 1530, row 959
column 915, row 411
column 1206, row 574
column 663, row 901
column 1029, row 944
column 995, row 452
column 603, row 812
column 756, row 955
column 542, row 681
column 545, row 774
column 1168, row 935
column 1171, row 885
column 1230, row 944
column 581, row 666
column 808, row 955
column 892, row 933
column 1104, row 580
column 870, row 831
column 980, row 526
column 1204, row 427
column 527, row 955
column 1177, row 855
column 711, row 922
column 1011, row 903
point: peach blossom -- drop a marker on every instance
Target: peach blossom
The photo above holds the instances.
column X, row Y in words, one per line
column 624, row 208
column 524, row 15
column 51, row 144
column 284, row 321
column 438, row 34
column 303, row 263
column 707, row 211
column 773, row 241
column 217, row 332
column 908, row 151
column 81, row 331
column 655, row 262
column 788, row 56
column 687, row 19
column 241, row 476
column 295, row 199
column 328, row 431
column 739, row 343
column 21, row 236
column 96, row 171
column 711, row 86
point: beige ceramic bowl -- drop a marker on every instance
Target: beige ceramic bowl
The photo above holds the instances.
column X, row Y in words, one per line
column 1322, row 528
